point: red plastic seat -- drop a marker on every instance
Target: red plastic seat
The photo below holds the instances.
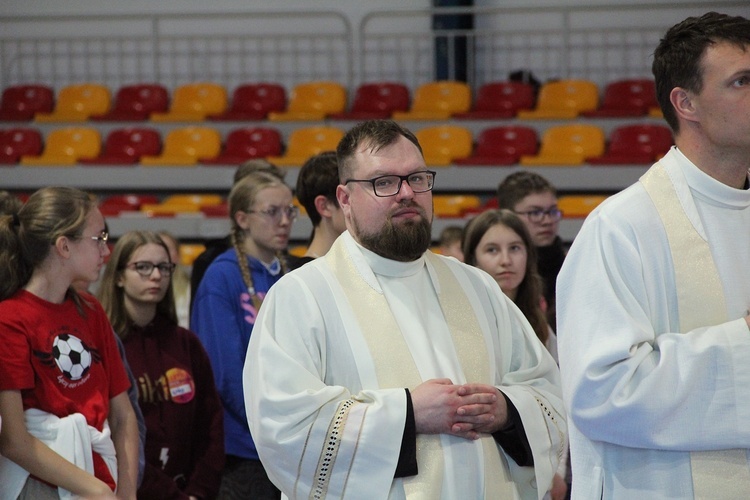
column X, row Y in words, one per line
column 500, row 100
column 17, row 142
column 115, row 204
column 246, row 144
column 502, row 146
column 626, row 98
column 253, row 101
column 635, row 144
column 125, row 146
column 22, row 102
column 377, row 100
column 136, row 103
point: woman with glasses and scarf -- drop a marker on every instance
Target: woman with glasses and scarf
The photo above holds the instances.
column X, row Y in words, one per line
column 176, row 390
column 226, row 305
column 68, row 428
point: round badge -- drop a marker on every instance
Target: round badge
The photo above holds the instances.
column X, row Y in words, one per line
column 181, row 385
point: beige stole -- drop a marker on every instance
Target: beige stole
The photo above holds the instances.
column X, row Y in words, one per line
column 700, row 300
column 395, row 366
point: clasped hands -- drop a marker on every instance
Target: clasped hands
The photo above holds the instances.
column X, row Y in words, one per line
column 468, row 411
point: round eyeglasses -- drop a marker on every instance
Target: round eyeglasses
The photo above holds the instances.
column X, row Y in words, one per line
column 145, row 268
column 555, row 214
column 390, row 185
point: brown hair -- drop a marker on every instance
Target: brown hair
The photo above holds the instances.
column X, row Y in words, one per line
column 519, row 185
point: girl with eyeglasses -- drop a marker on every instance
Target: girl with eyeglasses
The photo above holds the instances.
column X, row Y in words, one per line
column 68, row 426
column 176, row 390
column 497, row 242
column 225, row 307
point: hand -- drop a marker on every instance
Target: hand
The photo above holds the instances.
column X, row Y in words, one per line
column 559, row 488
column 486, row 411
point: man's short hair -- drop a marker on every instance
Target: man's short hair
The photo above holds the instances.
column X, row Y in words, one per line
column 519, row 185
column 257, row 165
column 318, row 176
column 373, row 134
column 677, row 59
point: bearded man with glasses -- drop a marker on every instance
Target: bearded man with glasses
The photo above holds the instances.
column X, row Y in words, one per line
column 382, row 370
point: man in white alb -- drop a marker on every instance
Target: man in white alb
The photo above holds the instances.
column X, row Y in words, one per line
column 385, row 371
column 653, row 297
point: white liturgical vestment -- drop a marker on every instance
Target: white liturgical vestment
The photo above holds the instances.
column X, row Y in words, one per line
column 334, row 347
column 652, row 399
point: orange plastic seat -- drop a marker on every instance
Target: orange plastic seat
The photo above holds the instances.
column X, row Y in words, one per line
column 17, row 142
column 379, row 100
column 136, row 103
column 655, row 112
column 502, row 146
column 193, row 102
column 306, row 142
column 65, row 146
column 189, row 252
column 578, row 206
column 22, row 102
column 313, row 101
column 500, row 100
column 438, row 101
column 77, row 103
column 246, row 144
column 454, row 205
column 188, row 203
column 115, row 204
column 563, row 99
column 635, row 144
column 126, row 146
column 567, row 145
column 626, row 98
column 442, row 144
column 186, row 146
column 253, row 101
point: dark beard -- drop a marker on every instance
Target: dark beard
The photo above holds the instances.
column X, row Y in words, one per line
column 404, row 243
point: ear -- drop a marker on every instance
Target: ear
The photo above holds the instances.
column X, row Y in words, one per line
column 322, row 205
column 344, row 198
column 683, row 104
column 242, row 219
column 62, row 246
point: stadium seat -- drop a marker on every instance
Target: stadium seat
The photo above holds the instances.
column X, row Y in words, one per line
column 182, row 204
column 136, row 103
column 306, row 142
column 655, row 112
column 115, row 204
column 579, row 206
column 22, row 102
column 253, row 101
column 379, row 100
column 567, row 145
column 189, row 252
column 441, row 144
column 77, row 103
column 437, row 101
column 186, row 146
column 17, row 142
column 625, row 98
column 500, row 100
column 193, row 102
column 126, row 146
column 246, row 144
column 65, row 146
column 454, row 205
column 563, row 99
column 312, row 101
column 635, row 144
column 502, row 146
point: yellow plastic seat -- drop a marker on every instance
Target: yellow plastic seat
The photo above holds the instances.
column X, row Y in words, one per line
column 189, row 252
column 312, row 101
column 77, row 103
column 655, row 112
column 579, row 206
column 198, row 199
column 568, row 145
column 186, row 146
column 437, row 101
column 64, row 147
column 442, row 144
column 306, row 142
column 563, row 99
column 193, row 102
column 454, row 205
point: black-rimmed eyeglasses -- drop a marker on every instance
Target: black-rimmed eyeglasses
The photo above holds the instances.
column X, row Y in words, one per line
column 145, row 268
column 538, row 215
column 390, row 185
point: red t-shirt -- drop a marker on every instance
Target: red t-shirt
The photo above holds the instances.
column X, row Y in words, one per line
column 61, row 361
